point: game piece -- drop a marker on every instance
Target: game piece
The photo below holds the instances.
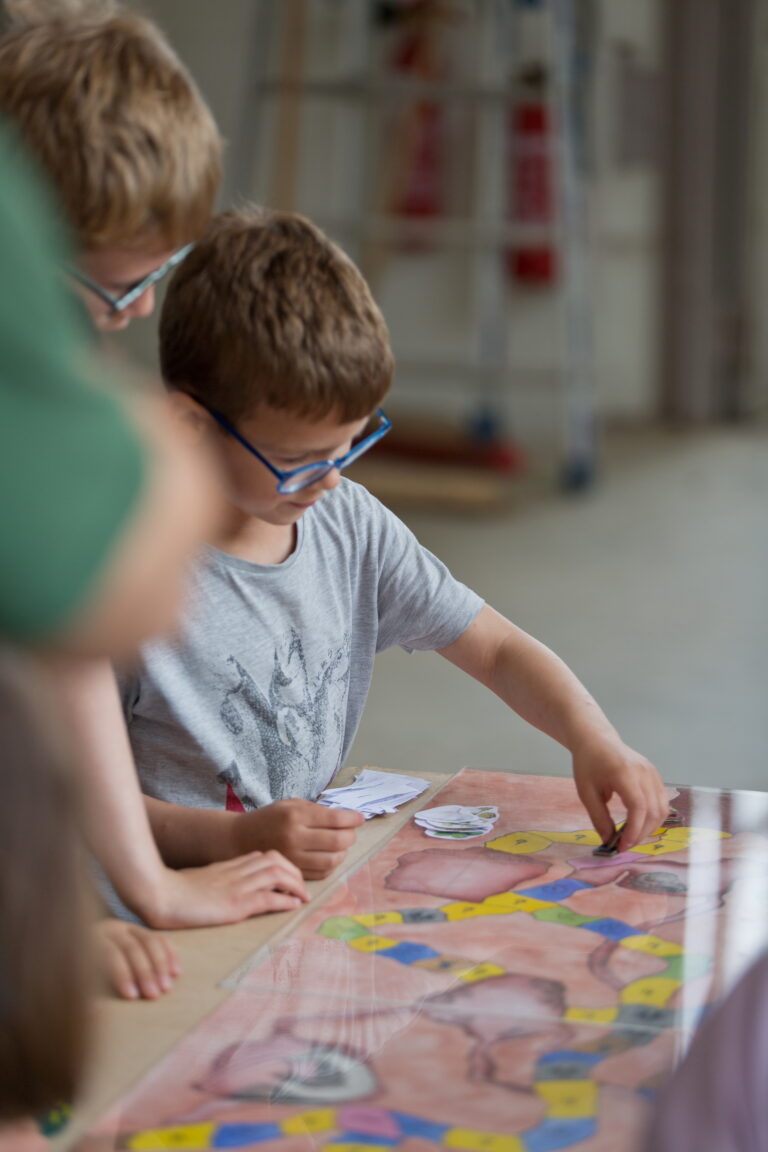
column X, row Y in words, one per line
column 611, row 846
column 457, row 821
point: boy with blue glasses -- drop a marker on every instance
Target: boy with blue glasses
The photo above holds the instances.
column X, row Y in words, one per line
column 274, row 352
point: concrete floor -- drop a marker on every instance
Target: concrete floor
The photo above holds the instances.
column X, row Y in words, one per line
column 653, row 588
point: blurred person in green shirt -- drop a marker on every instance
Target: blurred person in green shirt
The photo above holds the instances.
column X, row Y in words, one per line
column 102, row 506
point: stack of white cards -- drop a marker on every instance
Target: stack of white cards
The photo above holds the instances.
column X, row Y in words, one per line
column 457, row 821
column 374, row 793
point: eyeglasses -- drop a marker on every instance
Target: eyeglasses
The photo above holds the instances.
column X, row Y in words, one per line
column 120, row 303
column 296, row 479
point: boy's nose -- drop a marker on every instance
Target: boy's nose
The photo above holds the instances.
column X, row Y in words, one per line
column 143, row 306
column 331, row 480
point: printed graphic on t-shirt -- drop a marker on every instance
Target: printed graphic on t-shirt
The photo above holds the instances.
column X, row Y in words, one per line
column 237, row 799
column 293, row 728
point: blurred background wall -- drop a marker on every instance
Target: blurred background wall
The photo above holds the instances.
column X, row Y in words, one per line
column 562, row 207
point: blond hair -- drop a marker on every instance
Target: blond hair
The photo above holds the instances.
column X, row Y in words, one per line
column 268, row 311
column 113, row 117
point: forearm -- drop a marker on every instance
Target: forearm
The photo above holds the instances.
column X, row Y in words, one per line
column 116, row 824
column 189, row 837
column 531, row 679
column 543, row 690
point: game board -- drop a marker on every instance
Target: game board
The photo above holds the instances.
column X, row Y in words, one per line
column 511, row 994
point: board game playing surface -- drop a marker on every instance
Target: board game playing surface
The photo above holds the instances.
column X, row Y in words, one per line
column 512, row 993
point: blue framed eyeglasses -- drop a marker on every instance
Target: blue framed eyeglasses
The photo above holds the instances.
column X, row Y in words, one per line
column 120, row 303
column 296, row 479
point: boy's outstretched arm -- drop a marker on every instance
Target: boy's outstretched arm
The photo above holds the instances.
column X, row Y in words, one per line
column 536, row 683
column 314, row 837
column 118, row 829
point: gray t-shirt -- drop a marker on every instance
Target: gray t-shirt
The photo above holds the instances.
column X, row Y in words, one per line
column 260, row 696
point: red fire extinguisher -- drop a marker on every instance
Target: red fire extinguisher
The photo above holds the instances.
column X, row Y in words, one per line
column 420, row 135
column 532, row 260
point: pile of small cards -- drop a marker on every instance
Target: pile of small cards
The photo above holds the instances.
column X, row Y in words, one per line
column 374, row 793
column 457, row 821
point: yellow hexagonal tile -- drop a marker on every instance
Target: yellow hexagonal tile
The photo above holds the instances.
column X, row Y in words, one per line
column 519, row 843
column 471, row 1140
column 482, row 972
column 371, row 919
column 319, row 1120
column 582, row 836
column 654, row 990
column 653, row 945
column 592, row 1015
column 184, row 1138
column 568, row 1098
column 463, row 910
column 514, row 902
column 371, row 943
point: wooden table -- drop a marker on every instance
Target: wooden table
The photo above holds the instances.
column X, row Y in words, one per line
column 131, row 1037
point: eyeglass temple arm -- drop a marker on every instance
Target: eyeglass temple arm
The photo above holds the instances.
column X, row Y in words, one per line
column 133, row 293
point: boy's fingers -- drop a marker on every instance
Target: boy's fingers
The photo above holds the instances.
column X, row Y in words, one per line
column 336, row 817
column 253, row 900
column 257, row 860
column 633, row 831
column 162, row 958
column 327, row 840
column 174, row 960
column 637, row 814
column 662, row 806
column 647, row 808
column 318, row 865
column 138, row 956
column 120, row 975
column 598, row 813
column 271, row 870
column 271, row 901
column 658, row 810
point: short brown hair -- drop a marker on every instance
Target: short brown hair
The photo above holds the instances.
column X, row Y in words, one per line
column 44, row 963
column 268, row 311
column 103, row 103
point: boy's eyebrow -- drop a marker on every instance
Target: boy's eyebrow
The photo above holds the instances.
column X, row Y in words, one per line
column 320, row 453
column 324, row 452
column 316, row 452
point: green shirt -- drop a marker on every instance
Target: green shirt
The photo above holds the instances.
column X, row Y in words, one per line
column 71, row 467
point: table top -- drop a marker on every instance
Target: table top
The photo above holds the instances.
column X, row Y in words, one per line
column 499, row 994
column 132, row 1036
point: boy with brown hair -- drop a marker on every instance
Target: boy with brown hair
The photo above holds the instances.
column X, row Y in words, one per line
column 104, row 105
column 275, row 353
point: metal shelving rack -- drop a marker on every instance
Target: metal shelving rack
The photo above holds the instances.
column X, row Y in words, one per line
column 274, row 133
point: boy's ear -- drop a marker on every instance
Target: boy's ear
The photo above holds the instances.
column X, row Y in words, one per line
column 189, row 414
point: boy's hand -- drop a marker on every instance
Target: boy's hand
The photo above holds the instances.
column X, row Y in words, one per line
column 607, row 766
column 315, row 838
column 135, row 961
column 227, row 892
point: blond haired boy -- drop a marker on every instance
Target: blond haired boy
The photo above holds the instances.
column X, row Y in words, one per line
column 100, row 100
column 116, row 123
column 275, row 353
